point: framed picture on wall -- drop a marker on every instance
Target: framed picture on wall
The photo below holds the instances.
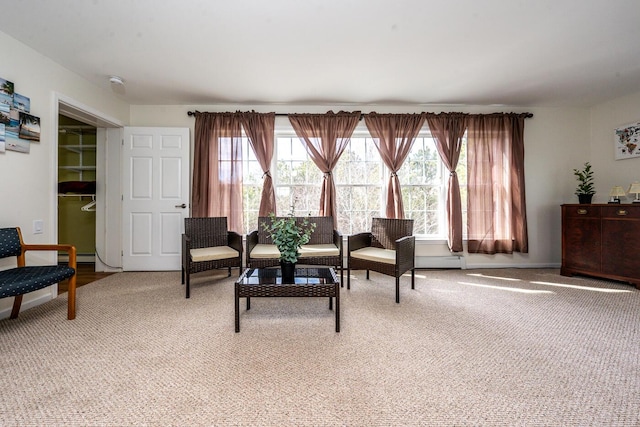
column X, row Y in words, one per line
column 6, row 92
column 627, row 141
column 29, row 127
column 21, row 103
column 2, row 138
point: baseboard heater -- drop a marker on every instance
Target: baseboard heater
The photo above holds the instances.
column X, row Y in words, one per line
column 79, row 258
column 450, row 261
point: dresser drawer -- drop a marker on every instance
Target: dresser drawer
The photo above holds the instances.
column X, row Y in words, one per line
column 581, row 211
column 621, row 211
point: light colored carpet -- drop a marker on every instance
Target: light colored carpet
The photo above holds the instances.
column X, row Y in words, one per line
column 501, row 347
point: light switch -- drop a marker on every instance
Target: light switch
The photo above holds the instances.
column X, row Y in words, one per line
column 38, row 226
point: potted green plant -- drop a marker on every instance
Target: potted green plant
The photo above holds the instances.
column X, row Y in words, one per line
column 289, row 234
column 585, row 189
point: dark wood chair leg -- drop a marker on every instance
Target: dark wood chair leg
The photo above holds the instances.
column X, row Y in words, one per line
column 182, row 276
column 188, row 286
column 71, row 292
column 413, row 278
column 17, row 302
column 398, row 290
column 348, row 278
column 367, row 274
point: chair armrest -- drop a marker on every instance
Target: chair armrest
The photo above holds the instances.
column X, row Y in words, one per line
column 70, row 249
column 252, row 241
column 235, row 241
column 405, row 252
column 358, row 241
column 337, row 240
column 186, row 249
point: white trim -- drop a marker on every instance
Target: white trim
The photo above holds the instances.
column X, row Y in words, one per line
column 30, row 303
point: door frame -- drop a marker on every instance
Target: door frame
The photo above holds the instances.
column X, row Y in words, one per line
column 106, row 171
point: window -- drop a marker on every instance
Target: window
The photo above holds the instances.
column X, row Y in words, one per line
column 361, row 181
column 297, row 179
column 424, row 180
column 251, row 186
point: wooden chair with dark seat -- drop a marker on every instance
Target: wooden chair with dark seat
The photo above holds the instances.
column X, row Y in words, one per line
column 207, row 244
column 15, row 282
column 388, row 249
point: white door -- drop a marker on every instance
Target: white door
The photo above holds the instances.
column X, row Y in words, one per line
column 155, row 182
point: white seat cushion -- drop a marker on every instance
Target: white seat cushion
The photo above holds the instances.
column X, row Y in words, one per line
column 386, row 256
column 263, row 251
column 319, row 250
column 213, row 253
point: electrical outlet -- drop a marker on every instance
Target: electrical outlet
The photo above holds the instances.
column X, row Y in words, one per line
column 38, row 226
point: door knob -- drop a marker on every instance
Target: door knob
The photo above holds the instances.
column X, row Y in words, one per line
column 181, row 206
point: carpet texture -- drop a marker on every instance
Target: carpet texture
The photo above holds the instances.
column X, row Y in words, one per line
column 498, row 347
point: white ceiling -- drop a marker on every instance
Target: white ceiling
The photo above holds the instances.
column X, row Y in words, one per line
column 252, row 52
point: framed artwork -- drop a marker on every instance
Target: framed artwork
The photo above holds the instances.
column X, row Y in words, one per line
column 6, row 92
column 1, row 138
column 21, row 103
column 29, row 127
column 627, row 141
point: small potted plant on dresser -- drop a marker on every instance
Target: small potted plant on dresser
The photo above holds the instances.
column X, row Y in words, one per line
column 585, row 189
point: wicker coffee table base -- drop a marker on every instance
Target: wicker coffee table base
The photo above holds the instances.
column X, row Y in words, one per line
column 323, row 284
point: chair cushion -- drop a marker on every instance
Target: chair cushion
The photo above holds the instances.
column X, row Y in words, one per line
column 213, row 253
column 21, row 280
column 386, row 256
column 264, row 251
column 330, row 249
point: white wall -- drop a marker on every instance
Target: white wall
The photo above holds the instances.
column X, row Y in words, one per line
column 608, row 172
column 556, row 141
column 28, row 181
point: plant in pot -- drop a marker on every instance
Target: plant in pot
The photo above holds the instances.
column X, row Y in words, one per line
column 585, row 189
column 289, row 234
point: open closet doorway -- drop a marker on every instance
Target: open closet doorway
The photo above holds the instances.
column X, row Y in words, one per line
column 87, row 153
column 77, row 186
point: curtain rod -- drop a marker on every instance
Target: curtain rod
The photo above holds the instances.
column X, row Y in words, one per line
column 193, row 113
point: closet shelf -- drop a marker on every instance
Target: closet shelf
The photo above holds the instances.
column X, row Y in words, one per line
column 76, row 195
column 78, row 148
column 78, row 168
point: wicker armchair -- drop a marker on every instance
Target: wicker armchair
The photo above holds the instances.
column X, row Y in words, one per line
column 207, row 244
column 388, row 249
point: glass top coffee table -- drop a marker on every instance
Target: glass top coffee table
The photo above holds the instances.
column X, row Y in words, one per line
column 267, row 282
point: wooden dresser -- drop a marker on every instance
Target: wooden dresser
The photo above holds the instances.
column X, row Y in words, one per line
column 602, row 240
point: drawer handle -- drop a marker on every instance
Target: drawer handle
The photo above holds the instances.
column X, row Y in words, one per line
column 622, row 212
column 582, row 211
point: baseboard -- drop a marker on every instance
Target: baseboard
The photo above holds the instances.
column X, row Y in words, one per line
column 27, row 304
column 451, row 261
column 79, row 258
column 511, row 265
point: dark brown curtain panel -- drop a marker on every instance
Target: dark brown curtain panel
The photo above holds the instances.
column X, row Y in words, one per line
column 259, row 128
column 393, row 135
column 448, row 130
column 496, row 215
column 325, row 137
column 217, row 168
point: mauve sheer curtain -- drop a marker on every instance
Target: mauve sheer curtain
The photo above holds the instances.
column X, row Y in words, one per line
column 496, row 215
column 393, row 135
column 448, row 130
column 259, row 128
column 217, row 168
column 325, row 137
